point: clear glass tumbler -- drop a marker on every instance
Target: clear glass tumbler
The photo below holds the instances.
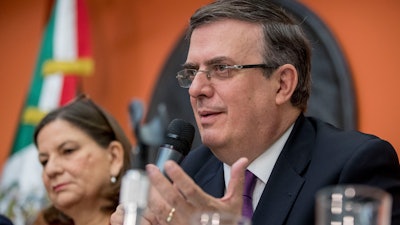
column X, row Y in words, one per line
column 214, row 218
column 353, row 205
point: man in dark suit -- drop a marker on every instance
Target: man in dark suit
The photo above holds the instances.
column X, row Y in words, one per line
column 248, row 74
column 316, row 155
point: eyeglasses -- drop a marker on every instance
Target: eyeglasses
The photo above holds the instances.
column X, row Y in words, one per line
column 186, row 76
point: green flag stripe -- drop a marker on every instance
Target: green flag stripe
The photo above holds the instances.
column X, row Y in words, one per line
column 24, row 135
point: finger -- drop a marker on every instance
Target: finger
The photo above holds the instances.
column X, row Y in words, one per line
column 172, row 196
column 182, row 195
column 144, row 221
column 157, row 209
column 191, row 192
column 236, row 182
column 148, row 218
column 166, row 200
column 234, row 192
column 117, row 218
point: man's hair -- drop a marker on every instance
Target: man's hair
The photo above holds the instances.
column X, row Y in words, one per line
column 285, row 41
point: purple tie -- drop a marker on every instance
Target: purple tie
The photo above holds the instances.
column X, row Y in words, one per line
column 249, row 184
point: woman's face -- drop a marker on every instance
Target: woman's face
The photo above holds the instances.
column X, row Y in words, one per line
column 75, row 168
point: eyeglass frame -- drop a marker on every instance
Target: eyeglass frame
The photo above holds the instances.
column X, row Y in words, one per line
column 209, row 74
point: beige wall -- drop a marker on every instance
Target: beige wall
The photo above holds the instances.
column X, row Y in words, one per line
column 132, row 39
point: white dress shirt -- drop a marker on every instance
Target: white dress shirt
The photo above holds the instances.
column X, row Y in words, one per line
column 262, row 166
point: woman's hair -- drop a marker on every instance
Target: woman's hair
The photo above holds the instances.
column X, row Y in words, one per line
column 103, row 129
column 284, row 41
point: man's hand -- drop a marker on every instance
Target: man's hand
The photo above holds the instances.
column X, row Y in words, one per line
column 180, row 200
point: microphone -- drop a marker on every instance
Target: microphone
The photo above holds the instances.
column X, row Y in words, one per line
column 177, row 143
column 135, row 183
column 133, row 195
column 148, row 136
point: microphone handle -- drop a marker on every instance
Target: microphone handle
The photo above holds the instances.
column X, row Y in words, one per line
column 167, row 152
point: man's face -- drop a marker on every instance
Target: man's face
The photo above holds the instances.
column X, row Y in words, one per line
column 235, row 112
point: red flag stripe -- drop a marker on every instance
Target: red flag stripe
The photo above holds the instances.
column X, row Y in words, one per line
column 70, row 84
column 84, row 50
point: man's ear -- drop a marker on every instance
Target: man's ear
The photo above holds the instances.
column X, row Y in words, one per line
column 116, row 156
column 288, row 79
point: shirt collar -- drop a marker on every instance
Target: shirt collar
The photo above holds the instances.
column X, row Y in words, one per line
column 262, row 166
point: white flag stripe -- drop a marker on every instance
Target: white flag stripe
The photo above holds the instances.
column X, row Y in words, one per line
column 64, row 48
column 51, row 92
column 65, row 32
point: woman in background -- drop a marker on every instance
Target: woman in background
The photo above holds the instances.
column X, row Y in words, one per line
column 84, row 153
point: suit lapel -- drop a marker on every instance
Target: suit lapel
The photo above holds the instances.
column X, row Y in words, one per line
column 286, row 179
column 211, row 178
column 277, row 199
column 284, row 184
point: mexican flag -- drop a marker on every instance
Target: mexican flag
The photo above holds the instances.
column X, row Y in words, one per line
column 63, row 59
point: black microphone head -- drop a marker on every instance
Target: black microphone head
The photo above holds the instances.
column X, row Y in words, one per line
column 180, row 135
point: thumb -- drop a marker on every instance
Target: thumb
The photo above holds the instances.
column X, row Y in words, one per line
column 236, row 182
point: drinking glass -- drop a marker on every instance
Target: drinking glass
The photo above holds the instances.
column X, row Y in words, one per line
column 216, row 218
column 353, row 205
